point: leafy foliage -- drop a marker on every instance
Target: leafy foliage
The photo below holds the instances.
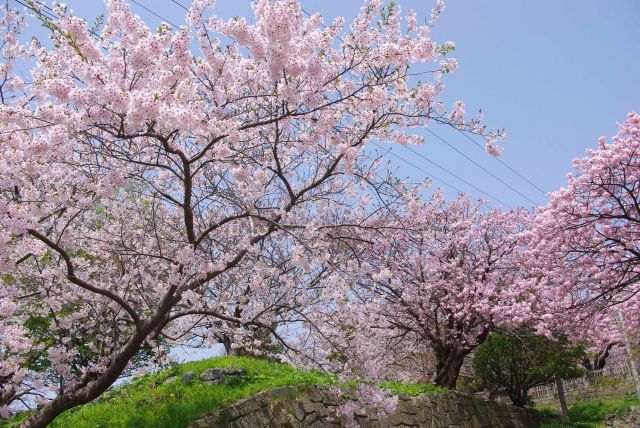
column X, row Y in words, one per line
column 590, row 414
column 515, row 363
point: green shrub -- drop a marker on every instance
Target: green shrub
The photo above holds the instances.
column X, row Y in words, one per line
column 514, row 363
column 548, row 410
column 596, row 410
column 591, row 414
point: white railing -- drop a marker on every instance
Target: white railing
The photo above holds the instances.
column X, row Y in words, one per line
column 549, row 390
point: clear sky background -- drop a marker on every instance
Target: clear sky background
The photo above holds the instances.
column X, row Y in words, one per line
column 555, row 74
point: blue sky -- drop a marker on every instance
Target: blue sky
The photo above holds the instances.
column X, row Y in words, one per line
column 555, row 74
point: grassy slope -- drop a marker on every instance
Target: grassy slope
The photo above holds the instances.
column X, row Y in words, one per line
column 591, row 414
column 147, row 402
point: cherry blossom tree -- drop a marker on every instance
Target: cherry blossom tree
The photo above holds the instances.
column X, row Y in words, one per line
column 587, row 237
column 590, row 327
column 151, row 195
column 586, row 245
column 17, row 351
column 445, row 274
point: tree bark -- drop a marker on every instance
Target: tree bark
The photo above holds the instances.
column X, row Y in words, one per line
column 519, row 399
column 228, row 349
column 92, row 390
column 563, row 400
column 449, row 363
column 67, row 400
column 598, row 362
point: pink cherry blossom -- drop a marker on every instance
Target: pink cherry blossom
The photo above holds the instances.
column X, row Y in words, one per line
column 155, row 193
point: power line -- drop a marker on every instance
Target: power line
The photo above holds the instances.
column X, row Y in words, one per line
column 480, row 166
column 452, row 174
column 52, row 16
column 44, row 5
column 464, row 181
column 433, row 176
column 180, row 4
column 441, row 167
column 153, row 13
column 505, row 164
column 49, row 14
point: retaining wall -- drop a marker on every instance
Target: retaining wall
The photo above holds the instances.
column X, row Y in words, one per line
column 312, row 406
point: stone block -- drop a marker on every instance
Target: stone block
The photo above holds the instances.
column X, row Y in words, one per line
column 217, row 376
column 188, row 377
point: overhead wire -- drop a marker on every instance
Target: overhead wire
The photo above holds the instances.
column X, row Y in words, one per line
column 430, row 175
column 480, row 166
column 154, row 13
column 180, row 4
column 49, row 13
column 449, row 172
column 535, row 186
column 473, row 186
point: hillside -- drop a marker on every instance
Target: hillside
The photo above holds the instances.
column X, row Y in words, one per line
column 150, row 402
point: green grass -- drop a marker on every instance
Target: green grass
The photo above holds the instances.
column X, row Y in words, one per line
column 547, row 410
column 412, row 388
column 147, row 402
column 591, row 414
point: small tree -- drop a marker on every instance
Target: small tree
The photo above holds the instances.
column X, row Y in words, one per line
column 515, row 363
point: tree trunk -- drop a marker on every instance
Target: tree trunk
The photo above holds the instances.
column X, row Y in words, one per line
column 228, row 349
column 563, row 400
column 449, row 363
column 598, row 362
column 69, row 399
column 519, row 399
column 226, row 342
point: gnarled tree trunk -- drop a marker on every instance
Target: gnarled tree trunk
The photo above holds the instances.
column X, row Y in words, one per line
column 449, row 362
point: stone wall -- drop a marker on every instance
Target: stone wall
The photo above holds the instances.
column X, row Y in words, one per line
column 311, row 406
column 630, row 419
